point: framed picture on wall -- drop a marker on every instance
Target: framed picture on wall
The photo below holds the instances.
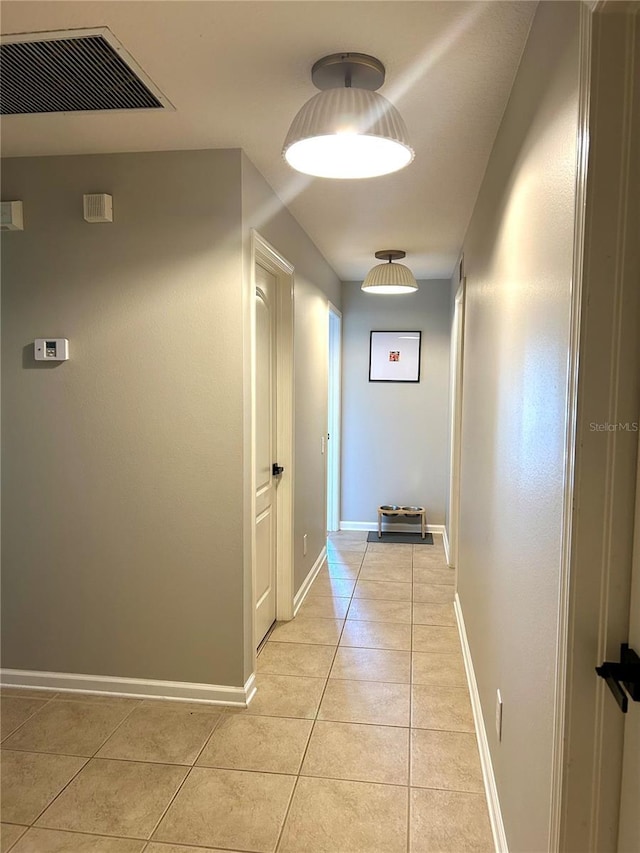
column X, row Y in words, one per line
column 394, row 356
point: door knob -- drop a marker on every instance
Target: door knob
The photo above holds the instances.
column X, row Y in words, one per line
column 626, row 671
column 276, row 469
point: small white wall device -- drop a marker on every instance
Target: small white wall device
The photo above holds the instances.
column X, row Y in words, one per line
column 98, row 207
column 11, row 216
column 51, row 349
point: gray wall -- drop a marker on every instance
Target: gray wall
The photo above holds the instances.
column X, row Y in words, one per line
column 122, row 468
column 395, row 436
column 518, row 261
column 125, row 469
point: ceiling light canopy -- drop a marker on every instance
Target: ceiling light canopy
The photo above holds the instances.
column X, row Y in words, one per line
column 348, row 130
column 388, row 279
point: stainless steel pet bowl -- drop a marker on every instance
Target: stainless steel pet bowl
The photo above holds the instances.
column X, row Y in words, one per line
column 412, row 511
column 389, row 510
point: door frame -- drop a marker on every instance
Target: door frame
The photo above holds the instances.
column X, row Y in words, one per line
column 334, row 423
column 599, row 486
column 457, row 370
column 629, row 821
column 267, row 256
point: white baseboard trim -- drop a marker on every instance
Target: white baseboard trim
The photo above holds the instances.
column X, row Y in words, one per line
column 445, row 542
column 493, row 803
column 135, row 688
column 250, row 688
column 301, row 594
column 438, row 529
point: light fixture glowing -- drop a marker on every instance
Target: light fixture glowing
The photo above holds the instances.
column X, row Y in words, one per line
column 389, row 279
column 348, row 130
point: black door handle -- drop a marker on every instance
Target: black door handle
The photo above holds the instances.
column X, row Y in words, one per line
column 276, row 469
column 626, row 671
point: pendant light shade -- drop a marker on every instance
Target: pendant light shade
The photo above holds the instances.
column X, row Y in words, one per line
column 390, row 278
column 348, row 130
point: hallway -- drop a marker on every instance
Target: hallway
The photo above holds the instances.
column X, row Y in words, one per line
column 361, row 706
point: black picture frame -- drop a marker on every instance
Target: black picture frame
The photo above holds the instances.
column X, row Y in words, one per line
column 395, row 356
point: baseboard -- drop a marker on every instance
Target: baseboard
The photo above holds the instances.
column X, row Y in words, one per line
column 250, row 688
column 493, row 803
column 438, row 529
column 445, row 542
column 301, row 594
column 135, row 688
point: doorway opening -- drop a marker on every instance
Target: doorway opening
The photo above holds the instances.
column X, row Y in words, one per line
column 333, row 425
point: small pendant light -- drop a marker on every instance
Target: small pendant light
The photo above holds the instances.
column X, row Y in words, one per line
column 388, row 279
column 348, row 130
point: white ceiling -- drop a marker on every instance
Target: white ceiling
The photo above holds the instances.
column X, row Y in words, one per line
column 237, row 72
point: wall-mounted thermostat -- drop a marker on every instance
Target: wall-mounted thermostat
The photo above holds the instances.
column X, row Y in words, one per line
column 51, row 349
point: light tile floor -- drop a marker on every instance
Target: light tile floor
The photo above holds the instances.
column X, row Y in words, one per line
column 359, row 739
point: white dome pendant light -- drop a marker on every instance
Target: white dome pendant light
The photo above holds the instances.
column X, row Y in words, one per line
column 348, row 130
column 388, row 279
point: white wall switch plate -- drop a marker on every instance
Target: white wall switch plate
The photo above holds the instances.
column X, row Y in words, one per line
column 499, row 715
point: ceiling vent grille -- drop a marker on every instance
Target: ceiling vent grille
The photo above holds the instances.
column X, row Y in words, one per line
column 72, row 71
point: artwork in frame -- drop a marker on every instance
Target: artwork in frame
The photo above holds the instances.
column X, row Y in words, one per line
column 394, row 356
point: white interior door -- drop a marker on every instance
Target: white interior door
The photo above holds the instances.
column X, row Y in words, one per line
column 629, row 830
column 265, row 451
column 333, row 429
column 591, row 807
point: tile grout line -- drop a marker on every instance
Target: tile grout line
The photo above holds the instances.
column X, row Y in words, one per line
column 315, row 718
column 121, row 723
column 409, row 728
column 169, row 804
column 95, row 758
column 21, row 836
column 87, row 760
column 24, row 722
column 64, row 788
column 410, row 710
column 103, row 758
column 187, row 774
column 79, row 832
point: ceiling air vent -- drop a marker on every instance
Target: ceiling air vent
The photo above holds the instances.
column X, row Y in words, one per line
column 72, row 71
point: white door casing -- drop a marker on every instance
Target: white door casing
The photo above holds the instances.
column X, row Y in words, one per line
column 333, row 428
column 629, row 821
column 267, row 261
column 266, row 484
column 457, row 361
column 604, row 404
column 629, row 829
